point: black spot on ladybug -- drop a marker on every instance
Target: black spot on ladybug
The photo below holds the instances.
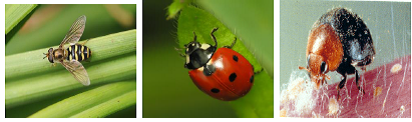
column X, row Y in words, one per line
column 215, row 90
column 232, row 77
column 235, row 58
column 251, row 79
column 209, row 70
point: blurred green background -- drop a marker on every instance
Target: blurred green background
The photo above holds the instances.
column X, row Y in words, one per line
column 48, row 25
column 168, row 91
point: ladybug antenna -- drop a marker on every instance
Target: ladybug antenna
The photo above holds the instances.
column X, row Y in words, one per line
column 213, row 36
column 195, row 37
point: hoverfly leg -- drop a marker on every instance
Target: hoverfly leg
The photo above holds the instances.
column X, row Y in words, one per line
column 85, row 42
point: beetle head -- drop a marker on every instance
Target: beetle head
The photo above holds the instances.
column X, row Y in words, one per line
column 197, row 54
column 317, row 68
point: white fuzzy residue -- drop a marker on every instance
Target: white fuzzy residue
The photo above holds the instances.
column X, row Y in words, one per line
column 297, row 98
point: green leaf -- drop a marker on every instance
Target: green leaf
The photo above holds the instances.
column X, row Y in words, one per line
column 98, row 102
column 16, row 13
column 113, row 59
column 174, row 8
column 252, row 21
column 259, row 101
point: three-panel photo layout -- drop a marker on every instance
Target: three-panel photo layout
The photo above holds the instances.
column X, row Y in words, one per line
column 208, row 59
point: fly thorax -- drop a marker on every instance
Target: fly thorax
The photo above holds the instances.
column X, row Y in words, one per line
column 59, row 54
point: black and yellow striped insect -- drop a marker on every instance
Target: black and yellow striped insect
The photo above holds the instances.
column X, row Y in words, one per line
column 70, row 58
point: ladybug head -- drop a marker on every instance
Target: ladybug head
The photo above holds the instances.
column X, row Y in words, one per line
column 324, row 52
column 317, row 69
column 197, row 55
column 192, row 46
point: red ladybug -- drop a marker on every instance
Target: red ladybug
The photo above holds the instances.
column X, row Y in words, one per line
column 221, row 73
column 338, row 41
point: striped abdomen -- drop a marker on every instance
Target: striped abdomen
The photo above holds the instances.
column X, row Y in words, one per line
column 78, row 52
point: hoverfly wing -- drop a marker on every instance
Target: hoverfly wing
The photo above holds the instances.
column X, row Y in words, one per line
column 78, row 71
column 75, row 31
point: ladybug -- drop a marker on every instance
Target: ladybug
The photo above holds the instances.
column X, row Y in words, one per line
column 339, row 41
column 222, row 73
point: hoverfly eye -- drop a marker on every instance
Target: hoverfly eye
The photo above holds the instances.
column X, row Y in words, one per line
column 50, row 59
column 323, row 67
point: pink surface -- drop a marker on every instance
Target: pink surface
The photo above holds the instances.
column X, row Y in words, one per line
column 387, row 94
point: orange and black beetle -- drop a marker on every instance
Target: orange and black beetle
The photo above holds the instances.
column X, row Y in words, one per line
column 338, row 41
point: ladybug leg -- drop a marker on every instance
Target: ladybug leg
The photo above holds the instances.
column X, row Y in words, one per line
column 341, row 84
column 352, row 70
column 213, row 36
column 343, row 69
column 209, row 70
column 258, row 71
column 233, row 43
column 194, row 37
column 357, row 82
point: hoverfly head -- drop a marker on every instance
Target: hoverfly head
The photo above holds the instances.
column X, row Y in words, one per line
column 49, row 55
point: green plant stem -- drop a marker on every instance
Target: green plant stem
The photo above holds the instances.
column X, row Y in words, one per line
column 40, row 87
column 102, row 110
column 98, row 102
column 15, row 13
column 22, row 64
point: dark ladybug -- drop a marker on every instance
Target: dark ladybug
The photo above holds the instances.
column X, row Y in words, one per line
column 338, row 41
column 219, row 72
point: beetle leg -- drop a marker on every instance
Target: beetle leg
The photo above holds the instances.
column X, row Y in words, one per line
column 258, row 71
column 233, row 43
column 341, row 84
column 357, row 82
column 194, row 37
column 213, row 36
column 303, row 68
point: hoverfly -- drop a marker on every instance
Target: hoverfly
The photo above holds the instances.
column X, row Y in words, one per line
column 70, row 58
